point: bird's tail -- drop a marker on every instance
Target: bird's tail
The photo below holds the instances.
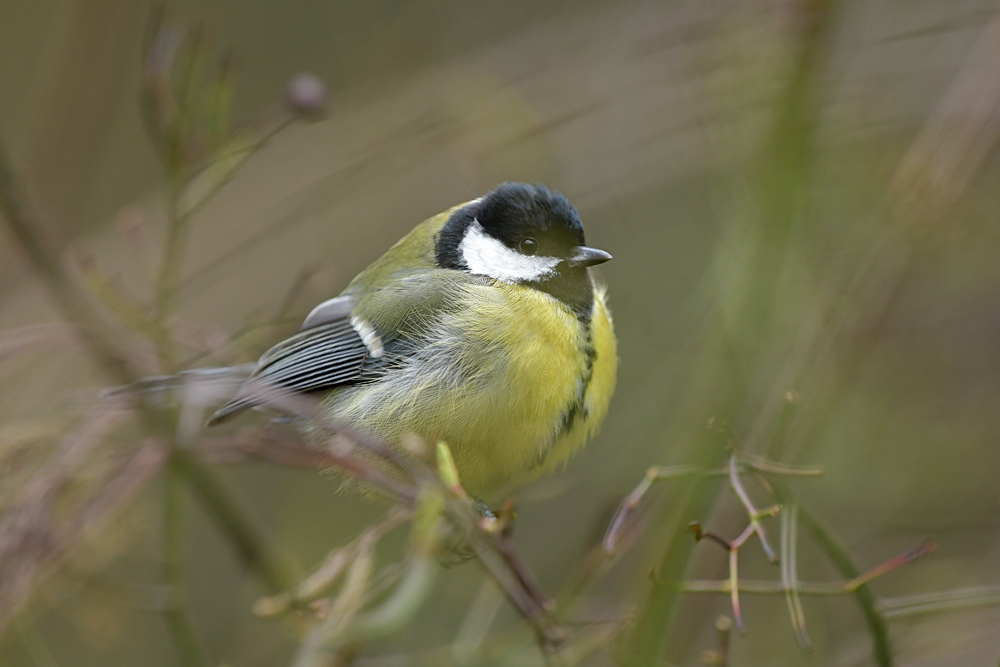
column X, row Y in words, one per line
column 200, row 386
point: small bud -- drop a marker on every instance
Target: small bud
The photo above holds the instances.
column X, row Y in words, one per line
column 307, row 94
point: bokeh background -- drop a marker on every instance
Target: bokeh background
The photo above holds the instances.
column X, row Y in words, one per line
column 801, row 198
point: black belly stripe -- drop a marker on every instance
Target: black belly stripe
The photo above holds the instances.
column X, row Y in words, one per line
column 578, row 407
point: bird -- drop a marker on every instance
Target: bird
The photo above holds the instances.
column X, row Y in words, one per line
column 482, row 328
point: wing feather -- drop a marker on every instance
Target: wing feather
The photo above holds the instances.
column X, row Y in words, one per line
column 321, row 357
column 329, row 352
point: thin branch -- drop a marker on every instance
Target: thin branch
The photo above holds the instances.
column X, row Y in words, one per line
column 847, row 587
column 752, row 512
column 764, row 465
column 627, row 515
column 343, row 610
column 164, row 299
column 323, row 578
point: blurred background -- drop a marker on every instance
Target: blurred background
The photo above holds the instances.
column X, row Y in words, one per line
column 801, row 197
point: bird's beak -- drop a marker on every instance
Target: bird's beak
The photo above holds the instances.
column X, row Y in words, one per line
column 588, row 257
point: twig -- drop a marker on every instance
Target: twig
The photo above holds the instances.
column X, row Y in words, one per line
column 307, row 407
column 752, row 512
column 343, row 610
column 323, row 578
column 734, row 589
column 626, row 516
column 849, row 586
column 765, row 465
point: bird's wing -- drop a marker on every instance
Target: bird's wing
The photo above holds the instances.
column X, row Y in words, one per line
column 339, row 340
column 325, row 355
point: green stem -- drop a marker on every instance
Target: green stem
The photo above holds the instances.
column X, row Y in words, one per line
column 864, row 595
column 178, row 230
column 693, row 500
column 174, row 546
column 229, row 519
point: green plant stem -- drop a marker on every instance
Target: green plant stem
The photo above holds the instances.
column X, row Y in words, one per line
column 694, row 498
column 250, row 547
column 208, row 490
column 174, row 547
column 178, row 230
column 864, row 595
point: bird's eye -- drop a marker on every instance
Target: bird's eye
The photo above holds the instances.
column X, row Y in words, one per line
column 528, row 246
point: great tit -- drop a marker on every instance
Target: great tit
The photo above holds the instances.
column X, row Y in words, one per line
column 482, row 327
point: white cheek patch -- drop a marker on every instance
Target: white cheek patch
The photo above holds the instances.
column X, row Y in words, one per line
column 487, row 256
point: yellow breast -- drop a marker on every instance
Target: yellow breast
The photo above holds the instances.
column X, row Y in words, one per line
column 514, row 383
